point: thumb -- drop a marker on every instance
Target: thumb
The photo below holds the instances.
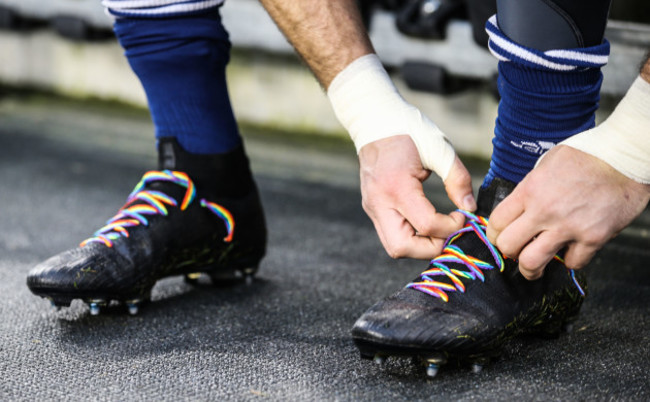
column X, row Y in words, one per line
column 458, row 185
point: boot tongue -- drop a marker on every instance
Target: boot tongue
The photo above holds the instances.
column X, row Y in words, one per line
column 170, row 157
column 176, row 191
column 489, row 197
column 226, row 174
column 167, row 155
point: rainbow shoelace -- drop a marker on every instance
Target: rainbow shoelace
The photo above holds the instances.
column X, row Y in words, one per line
column 474, row 267
column 155, row 203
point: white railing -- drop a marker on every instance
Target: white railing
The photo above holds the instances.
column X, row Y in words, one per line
column 250, row 27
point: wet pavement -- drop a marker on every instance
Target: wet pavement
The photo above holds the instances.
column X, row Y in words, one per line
column 65, row 167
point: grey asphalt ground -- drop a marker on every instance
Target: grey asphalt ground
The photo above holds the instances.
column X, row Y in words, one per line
column 65, row 167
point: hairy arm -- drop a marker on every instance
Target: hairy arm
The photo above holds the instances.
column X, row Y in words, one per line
column 328, row 35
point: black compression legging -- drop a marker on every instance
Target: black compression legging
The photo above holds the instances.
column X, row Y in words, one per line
column 553, row 24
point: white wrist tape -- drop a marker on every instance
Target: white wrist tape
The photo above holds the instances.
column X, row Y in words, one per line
column 369, row 106
column 623, row 140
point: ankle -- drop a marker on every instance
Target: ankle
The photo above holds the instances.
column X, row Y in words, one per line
column 217, row 175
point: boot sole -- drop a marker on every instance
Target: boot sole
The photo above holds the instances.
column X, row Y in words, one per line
column 549, row 327
column 96, row 300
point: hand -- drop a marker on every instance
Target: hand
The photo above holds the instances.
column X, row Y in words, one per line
column 391, row 187
column 571, row 199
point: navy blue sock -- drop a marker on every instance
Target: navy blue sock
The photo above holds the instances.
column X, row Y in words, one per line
column 538, row 109
column 181, row 64
column 546, row 97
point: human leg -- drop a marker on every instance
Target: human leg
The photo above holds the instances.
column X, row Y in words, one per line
column 545, row 97
column 181, row 63
column 472, row 298
column 200, row 212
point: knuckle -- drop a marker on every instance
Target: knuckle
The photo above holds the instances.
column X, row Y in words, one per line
column 366, row 205
column 496, row 225
column 506, row 248
column 530, row 270
column 529, row 263
column 426, row 228
column 370, row 205
column 493, row 230
column 579, row 259
column 573, row 265
column 396, row 251
column 596, row 237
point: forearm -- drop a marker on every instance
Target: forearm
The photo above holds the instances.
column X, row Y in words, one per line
column 328, row 34
column 622, row 140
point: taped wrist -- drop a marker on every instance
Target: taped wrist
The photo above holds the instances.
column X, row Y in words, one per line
column 623, row 140
column 370, row 108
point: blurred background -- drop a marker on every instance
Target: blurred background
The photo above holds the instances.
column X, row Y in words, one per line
column 67, row 47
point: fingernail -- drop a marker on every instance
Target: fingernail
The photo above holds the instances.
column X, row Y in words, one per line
column 469, row 203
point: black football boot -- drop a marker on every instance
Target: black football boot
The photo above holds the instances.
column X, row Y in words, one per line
column 469, row 301
column 197, row 215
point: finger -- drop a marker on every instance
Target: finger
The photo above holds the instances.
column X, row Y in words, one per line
column 422, row 215
column 511, row 208
column 538, row 253
column 459, row 186
column 400, row 240
column 517, row 235
column 578, row 255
